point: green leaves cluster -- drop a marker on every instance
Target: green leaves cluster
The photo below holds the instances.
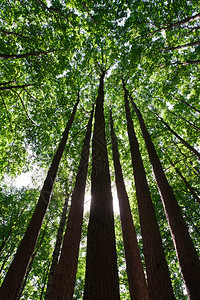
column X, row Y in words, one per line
column 50, row 51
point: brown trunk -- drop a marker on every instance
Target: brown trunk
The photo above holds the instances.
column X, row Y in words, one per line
column 14, row 278
column 136, row 278
column 58, row 244
column 101, row 282
column 180, row 138
column 31, row 262
column 187, row 256
column 158, row 275
column 65, row 273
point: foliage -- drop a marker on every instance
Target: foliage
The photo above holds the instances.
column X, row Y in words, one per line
column 50, row 51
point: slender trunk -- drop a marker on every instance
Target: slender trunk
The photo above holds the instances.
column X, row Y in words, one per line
column 7, row 257
column 180, row 138
column 158, row 275
column 101, row 280
column 14, row 278
column 46, row 272
column 31, row 262
column 4, row 240
column 65, row 273
column 58, row 244
column 187, row 255
column 136, row 278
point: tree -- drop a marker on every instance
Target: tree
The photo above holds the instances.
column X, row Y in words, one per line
column 11, row 287
column 137, row 282
column 50, row 50
column 101, row 279
column 158, row 275
column 65, row 272
column 180, row 235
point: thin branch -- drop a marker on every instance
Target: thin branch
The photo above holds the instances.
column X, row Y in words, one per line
column 7, row 112
column 183, row 101
column 6, row 88
column 13, row 33
column 53, row 10
column 8, row 82
column 25, row 55
column 192, row 44
column 22, row 103
column 178, row 23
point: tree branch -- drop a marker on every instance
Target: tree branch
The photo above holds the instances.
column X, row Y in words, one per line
column 25, row 55
column 5, row 88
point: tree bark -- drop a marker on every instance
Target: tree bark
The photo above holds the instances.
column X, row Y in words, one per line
column 58, row 244
column 136, row 278
column 14, row 278
column 187, row 255
column 101, row 280
column 31, row 263
column 65, row 273
column 158, row 275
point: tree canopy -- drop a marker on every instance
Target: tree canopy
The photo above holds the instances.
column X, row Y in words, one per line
column 53, row 52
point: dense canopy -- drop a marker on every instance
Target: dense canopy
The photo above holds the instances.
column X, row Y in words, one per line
column 55, row 52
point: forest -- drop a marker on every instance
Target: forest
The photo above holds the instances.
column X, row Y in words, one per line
column 100, row 118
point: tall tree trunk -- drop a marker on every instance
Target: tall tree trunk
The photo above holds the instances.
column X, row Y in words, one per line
column 31, row 262
column 158, row 275
column 187, row 255
column 101, row 280
column 180, row 138
column 58, row 244
column 14, row 278
column 65, row 273
column 136, row 278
